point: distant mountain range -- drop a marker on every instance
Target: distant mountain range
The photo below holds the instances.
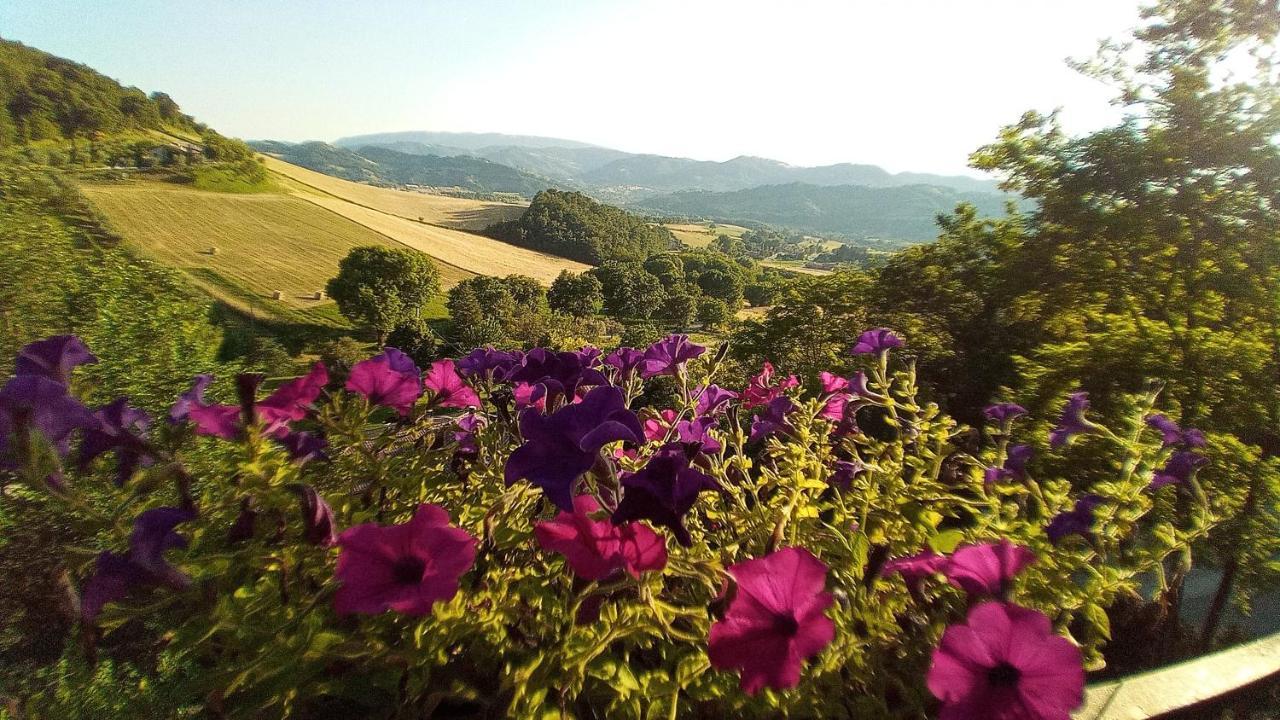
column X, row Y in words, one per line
column 844, row 200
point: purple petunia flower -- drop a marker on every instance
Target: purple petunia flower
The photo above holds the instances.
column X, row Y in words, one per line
column 773, row 419
column 489, row 363
column 302, row 446
column 712, row 400
column 53, row 358
column 1006, row 662
column 390, row 379
column 1004, row 413
column 405, row 568
column 669, row 355
column 625, row 360
column 448, row 387
column 844, row 471
column 1073, row 421
column 596, row 549
column 34, row 402
column 560, row 447
column 987, row 569
column 465, row 435
column 776, row 620
column 318, row 525
column 562, row 373
column 1015, row 465
column 664, row 491
column 118, row 429
column 1178, row 469
column 762, row 389
column 191, row 398
column 1171, row 435
column 1076, row 521
column 116, row 575
column 874, row 342
column 695, row 432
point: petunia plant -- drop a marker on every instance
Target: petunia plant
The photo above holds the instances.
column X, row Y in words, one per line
column 516, row 534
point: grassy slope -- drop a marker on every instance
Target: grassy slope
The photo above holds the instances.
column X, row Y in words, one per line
column 449, row 212
column 265, row 242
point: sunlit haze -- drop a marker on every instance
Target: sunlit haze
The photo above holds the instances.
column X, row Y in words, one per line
column 913, row 85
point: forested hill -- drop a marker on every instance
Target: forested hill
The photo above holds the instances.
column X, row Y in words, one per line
column 43, row 97
column 853, row 211
column 572, row 225
column 385, row 166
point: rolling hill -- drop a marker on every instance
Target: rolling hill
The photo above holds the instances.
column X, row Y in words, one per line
column 903, row 214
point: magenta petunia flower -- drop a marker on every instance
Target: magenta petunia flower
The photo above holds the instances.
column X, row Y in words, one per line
column 390, row 379
column 596, row 549
column 288, row 403
column 656, row 427
column 915, row 568
column 1072, row 422
column 318, row 525
column 1003, row 413
column 878, row 340
column 1076, row 521
column 53, row 358
column 832, row 383
column 776, row 620
column 560, row 447
column 987, row 569
column 526, row 395
column 712, row 400
column 762, row 389
column 664, row 491
column 1006, row 662
column 405, row 568
column 448, row 386
column 669, row 355
column 1178, row 469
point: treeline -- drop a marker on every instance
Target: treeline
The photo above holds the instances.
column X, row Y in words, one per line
column 572, row 225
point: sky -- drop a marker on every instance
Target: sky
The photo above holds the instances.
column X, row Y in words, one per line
column 906, row 84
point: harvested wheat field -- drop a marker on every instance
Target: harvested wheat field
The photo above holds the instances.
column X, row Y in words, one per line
column 450, row 212
column 702, row 234
column 264, row 242
column 474, row 253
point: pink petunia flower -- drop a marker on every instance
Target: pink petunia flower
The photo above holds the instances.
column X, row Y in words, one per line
column 596, row 549
column 448, row 386
column 775, row 621
column 915, row 568
column 406, row 568
column 1006, row 662
column 655, row 428
column 762, row 389
column 987, row 569
column 390, row 379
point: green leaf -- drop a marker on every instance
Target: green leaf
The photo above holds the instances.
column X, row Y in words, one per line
column 946, row 541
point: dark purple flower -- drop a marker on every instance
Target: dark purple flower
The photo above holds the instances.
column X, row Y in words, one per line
column 844, row 471
column 318, row 525
column 695, row 432
column 776, row 620
column 561, row 373
column 712, row 400
column 116, row 575
column 1171, row 435
column 1178, row 469
column 487, row 362
column 448, row 387
column 987, row 569
column 53, row 358
column 1003, row 413
column 34, row 402
column 858, row 384
column 404, row 568
column 1006, row 663
column 873, row 342
column 118, row 428
column 1073, row 421
column 1015, row 465
column 465, row 436
column 596, row 549
column 762, row 389
column 773, row 419
column 390, row 379
column 669, row 355
column 560, row 447
column 1077, row 521
column 625, row 360
column 303, row 446
column 243, row 527
column 663, row 491
column 589, row 355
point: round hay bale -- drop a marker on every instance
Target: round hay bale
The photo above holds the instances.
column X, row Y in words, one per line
column 277, row 295
column 319, row 295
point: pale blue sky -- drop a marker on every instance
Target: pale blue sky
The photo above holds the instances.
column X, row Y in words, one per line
column 907, row 84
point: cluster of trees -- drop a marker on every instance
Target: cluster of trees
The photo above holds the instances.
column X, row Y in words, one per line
column 1152, row 253
column 46, row 97
column 572, row 225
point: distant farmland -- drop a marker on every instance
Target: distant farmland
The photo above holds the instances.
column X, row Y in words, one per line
column 264, row 242
column 449, row 212
column 702, row 234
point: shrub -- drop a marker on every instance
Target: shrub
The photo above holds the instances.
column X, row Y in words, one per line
column 503, row 534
